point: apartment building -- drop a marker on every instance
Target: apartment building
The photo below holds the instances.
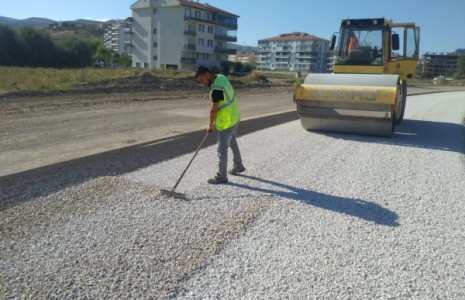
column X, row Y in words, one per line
column 435, row 65
column 118, row 37
column 244, row 57
column 181, row 34
column 295, row 52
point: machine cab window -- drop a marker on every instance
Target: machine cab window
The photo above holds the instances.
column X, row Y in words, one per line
column 408, row 41
column 360, row 46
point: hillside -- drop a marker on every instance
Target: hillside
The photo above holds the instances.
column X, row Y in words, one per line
column 62, row 29
column 29, row 22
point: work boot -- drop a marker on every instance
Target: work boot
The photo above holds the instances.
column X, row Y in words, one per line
column 218, row 179
column 237, row 169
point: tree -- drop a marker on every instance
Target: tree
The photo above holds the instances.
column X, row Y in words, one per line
column 238, row 67
column 460, row 72
column 77, row 52
column 248, row 68
column 125, row 60
column 38, row 49
column 9, row 47
column 225, row 67
column 106, row 55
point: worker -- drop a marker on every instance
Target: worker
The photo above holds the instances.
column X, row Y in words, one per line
column 353, row 42
column 224, row 119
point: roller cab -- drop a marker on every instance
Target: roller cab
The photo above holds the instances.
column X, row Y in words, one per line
column 366, row 94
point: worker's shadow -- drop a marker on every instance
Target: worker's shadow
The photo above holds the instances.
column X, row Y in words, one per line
column 353, row 207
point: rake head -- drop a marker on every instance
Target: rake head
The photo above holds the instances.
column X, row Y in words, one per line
column 173, row 194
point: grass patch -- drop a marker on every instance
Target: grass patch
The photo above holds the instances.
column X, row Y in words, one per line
column 275, row 77
column 32, row 79
column 13, row 79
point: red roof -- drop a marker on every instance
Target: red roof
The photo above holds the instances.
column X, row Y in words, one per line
column 293, row 36
column 206, row 7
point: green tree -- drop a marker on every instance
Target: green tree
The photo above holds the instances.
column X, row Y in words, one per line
column 238, row 67
column 125, row 60
column 9, row 47
column 76, row 52
column 248, row 68
column 225, row 67
column 38, row 49
column 106, row 55
column 460, row 72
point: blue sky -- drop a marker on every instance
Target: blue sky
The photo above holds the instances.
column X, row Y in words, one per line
column 442, row 22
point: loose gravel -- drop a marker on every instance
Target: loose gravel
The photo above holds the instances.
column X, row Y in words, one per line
column 315, row 216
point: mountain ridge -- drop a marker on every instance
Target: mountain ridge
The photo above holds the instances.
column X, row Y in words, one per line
column 36, row 22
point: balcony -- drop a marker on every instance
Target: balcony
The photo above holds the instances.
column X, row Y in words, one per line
column 227, row 24
column 225, row 37
column 190, row 32
column 305, row 56
column 199, row 19
column 225, row 50
column 128, row 45
column 190, row 47
column 188, row 60
column 128, row 31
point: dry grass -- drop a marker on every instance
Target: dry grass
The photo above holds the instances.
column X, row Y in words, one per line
column 14, row 79
column 32, row 79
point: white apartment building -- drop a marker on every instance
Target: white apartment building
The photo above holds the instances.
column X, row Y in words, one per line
column 181, row 34
column 119, row 37
column 295, row 52
column 244, row 57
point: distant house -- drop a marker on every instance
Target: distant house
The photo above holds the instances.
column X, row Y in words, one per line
column 435, row 65
column 181, row 34
column 296, row 51
column 244, row 57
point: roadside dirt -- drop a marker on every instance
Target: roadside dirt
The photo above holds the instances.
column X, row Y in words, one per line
column 43, row 128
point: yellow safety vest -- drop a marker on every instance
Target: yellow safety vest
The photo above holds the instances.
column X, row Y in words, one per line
column 228, row 114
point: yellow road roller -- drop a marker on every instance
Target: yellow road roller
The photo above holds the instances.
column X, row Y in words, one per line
column 367, row 91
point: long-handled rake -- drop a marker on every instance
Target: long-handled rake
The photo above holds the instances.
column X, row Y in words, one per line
column 172, row 193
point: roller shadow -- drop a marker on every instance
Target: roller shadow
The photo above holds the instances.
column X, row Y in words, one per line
column 357, row 208
column 417, row 134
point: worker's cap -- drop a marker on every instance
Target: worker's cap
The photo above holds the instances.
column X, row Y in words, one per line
column 202, row 70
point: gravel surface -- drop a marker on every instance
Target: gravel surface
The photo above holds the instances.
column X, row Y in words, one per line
column 315, row 216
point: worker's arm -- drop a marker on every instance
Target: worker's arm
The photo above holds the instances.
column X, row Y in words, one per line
column 213, row 112
column 217, row 96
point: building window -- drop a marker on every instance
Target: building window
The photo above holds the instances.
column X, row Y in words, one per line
column 197, row 14
column 187, row 12
column 155, row 45
column 201, row 28
column 155, row 11
column 210, row 29
column 210, row 43
column 201, row 42
column 154, row 31
column 155, row 57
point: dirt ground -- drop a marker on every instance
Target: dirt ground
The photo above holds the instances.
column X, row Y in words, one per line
column 43, row 128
